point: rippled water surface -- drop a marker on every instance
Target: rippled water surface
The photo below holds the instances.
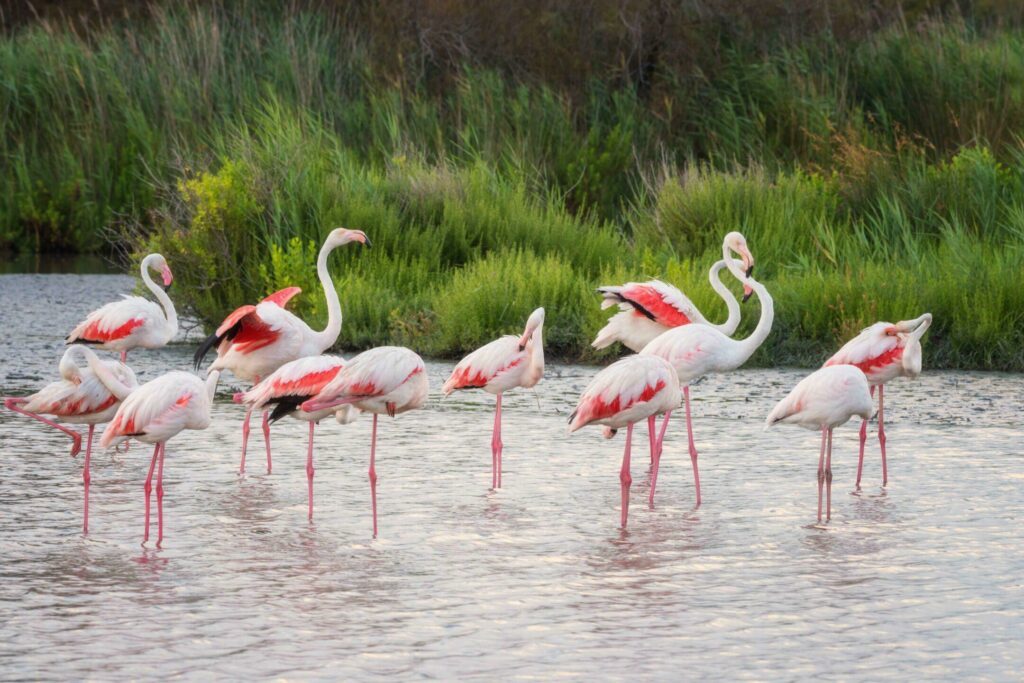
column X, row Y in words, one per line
column 534, row 581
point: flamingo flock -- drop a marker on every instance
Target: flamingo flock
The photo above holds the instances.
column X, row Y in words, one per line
column 284, row 359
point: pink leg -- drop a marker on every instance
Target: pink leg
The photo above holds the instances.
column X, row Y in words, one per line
column 652, row 421
column 309, row 469
column 881, row 432
column 656, row 450
column 828, row 477
column 86, row 478
column 821, row 469
column 624, row 476
column 266, row 436
column 160, row 495
column 124, row 356
column 245, row 438
column 693, row 447
column 148, row 487
column 14, row 404
column 373, row 474
column 863, row 439
column 496, row 446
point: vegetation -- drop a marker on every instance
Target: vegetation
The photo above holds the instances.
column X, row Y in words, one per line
column 874, row 164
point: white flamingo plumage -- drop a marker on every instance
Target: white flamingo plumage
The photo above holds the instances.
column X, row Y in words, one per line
column 288, row 387
column 384, row 380
column 883, row 352
column 85, row 395
column 825, row 399
column 503, row 364
column 627, row 391
column 254, row 341
column 698, row 350
column 156, row 412
column 134, row 321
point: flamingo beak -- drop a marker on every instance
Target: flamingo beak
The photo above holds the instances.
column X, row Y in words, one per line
column 168, row 276
column 892, row 330
column 361, row 237
column 522, row 342
column 748, row 261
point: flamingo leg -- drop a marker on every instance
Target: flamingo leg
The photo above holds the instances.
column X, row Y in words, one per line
column 625, row 478
column 881, row 431
column 863, row 439
column 496, row 446
column 124, row 356
column 828, row 477
column 656, row 450
column 160, row 495
column 266, row 436
column 373, row 473
column 148, row 487
column 86, row 478
column 821, row 469
column 652, row 421
column 245, row 438
column 14, row 404
column 309, row 468
column 693, row 446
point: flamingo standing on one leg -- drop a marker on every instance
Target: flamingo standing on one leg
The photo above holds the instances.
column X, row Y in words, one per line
column 883, row 352
column 385, row 380
column 648, row 309
column 291, row 384
column 698, row 350
column 83, row 396
column 824, row 400
column 133, row 322
column 501, row 365
column 155, row 412
column 621, row 395
column 254, row 341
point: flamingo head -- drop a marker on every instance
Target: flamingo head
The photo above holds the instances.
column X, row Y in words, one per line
column 533, row 323
column 340, row 236
column 158, row 262
column 737, row 243
column 891, row 330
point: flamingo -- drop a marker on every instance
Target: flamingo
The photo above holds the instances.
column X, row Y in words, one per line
column 384, row 380
column 698, row 350
column 289, row 386
column 156, row 412
column 505, row 363
column 134, row 321
column 650, row 308
column 254, row 341
column 825, row 399
column 621, row 395
column 883, row 352
column 83, row 396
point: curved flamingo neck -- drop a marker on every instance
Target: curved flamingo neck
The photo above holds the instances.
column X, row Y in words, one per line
column 715, row 276
column 211, row 384
column 161, row 296
column 104, row 374
column 326, row 338
column 748, row 346
column 537, row 354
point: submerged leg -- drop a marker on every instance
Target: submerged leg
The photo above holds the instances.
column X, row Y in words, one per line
column 658, row 440
column 245, row 438
column 821, row 469
column 881, row 431
column 266, row 436
column 373, row 473
column 828, row 477
column 625, row 479
column 160, row 495
column 148, row 487
column 86, row 478
column 693, row 447
column 863, row 440
column 497, row 445
column 76, row 438
column 309, row 468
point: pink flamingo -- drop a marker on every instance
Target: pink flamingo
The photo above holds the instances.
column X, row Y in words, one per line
column 133, row 322
column 82, row 396
column 621, row 395
column 288, row 387
column 503, row 364
column 825, row 399
column 155, row 412
column 385, row 380
column 883, row 352
column 647, row 309
column 698, row 350
column 254, row 341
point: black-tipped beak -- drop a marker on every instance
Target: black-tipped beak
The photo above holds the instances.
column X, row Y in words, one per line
column 746, row 296
column 168, row 287
column 750, row 271
column 522, row 347
column 368, row 243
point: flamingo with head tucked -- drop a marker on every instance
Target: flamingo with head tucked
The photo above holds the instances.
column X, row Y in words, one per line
column 505, row 363
column 156, row 412
column 824, row 400
column 883, row 351
column 89, row 395
column 621, row 395
column 134, row 321
column 385, row 380
column 254, row 341
column 288, row 387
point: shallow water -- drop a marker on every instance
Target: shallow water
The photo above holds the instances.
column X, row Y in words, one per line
column 534, row 581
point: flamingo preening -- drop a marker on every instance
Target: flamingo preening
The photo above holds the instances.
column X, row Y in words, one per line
column 627, row 391
column 288, row 387
column 83, row 396
column 698, row 350
column 883, row 351
column 503, row 364
column 825, row 399
column 254, row 341
column 385, row 380
column 155, row 412
column 133, row 322
column 647, row 309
